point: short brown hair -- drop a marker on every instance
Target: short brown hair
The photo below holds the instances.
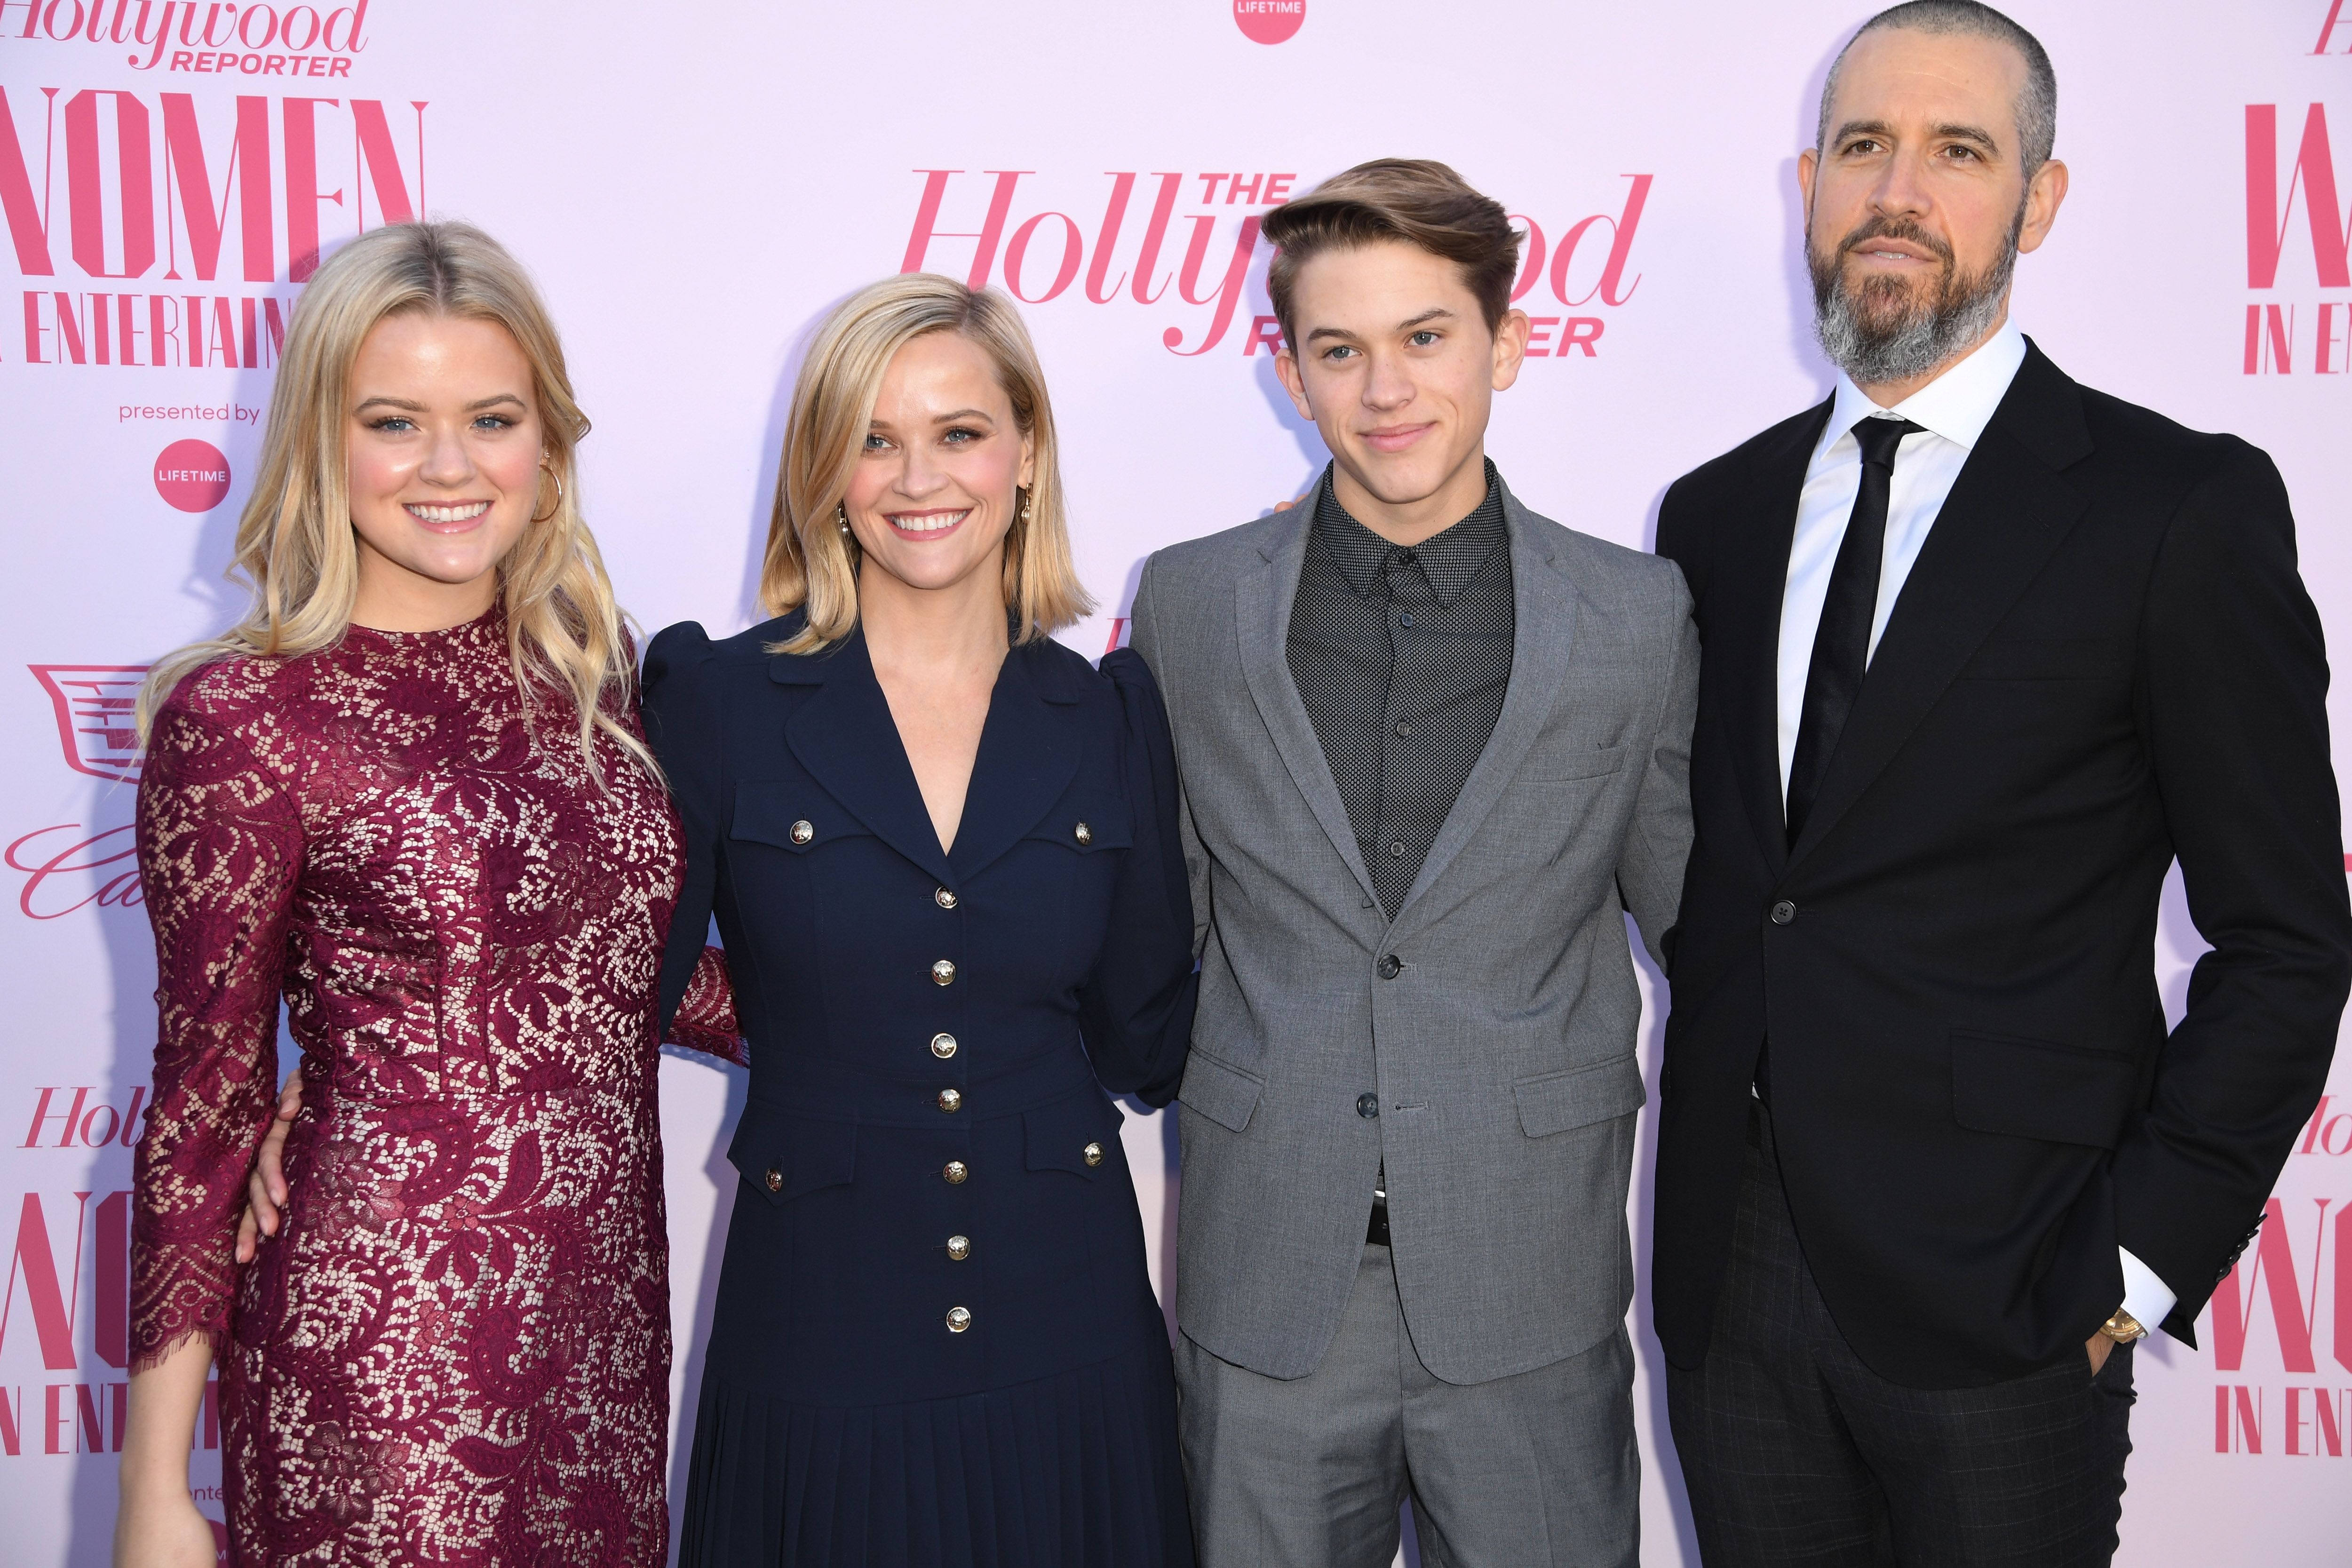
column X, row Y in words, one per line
column 1416, row 200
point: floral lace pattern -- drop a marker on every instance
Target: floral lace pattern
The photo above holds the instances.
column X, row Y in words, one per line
column 458, row 1349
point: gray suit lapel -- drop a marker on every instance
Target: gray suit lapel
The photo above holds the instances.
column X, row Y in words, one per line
column 1544, row 625
column 1262, row 615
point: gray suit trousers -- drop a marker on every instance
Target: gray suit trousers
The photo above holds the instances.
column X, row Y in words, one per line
column 1534, row 1470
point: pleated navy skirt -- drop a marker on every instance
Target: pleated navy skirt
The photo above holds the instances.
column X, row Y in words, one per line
column 1076, row 1471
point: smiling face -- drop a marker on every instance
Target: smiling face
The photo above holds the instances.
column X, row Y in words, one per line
column 1396, row 367
column 935, row 489
column 443, row 465
column 1918, row 203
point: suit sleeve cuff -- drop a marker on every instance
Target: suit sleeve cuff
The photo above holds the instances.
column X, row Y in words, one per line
column 2147, row 1297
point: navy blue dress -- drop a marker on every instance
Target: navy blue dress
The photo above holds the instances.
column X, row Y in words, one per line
column 935, row 1341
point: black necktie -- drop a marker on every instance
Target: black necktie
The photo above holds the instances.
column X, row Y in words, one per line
column 1842, row 646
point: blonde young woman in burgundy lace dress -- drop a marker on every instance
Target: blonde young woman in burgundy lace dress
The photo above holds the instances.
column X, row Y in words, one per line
column 408, row 795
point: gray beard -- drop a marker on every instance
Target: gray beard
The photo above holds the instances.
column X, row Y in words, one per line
column 1926, row 336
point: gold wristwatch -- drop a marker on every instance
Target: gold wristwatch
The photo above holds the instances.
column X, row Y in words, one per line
column 2123, row 1328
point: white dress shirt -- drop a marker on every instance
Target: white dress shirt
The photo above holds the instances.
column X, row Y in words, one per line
column 1952, row 412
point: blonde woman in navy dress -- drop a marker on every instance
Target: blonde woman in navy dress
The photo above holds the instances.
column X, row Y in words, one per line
column 944, row 857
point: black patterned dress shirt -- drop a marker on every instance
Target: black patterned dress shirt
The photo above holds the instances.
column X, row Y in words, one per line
column 1401, row 658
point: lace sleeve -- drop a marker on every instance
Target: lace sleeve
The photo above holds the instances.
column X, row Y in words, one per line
column 705, row 1019
column 220, row 846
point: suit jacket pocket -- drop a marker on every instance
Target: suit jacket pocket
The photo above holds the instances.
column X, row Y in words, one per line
column 1225, row 1095
column 2045, row 658
column 1558, row 1101
column 783, row 1155
column 2040, row 1089
column 1555, row 767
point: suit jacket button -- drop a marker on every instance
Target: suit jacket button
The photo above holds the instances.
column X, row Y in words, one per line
column 1086, row 836
column 959, row 1320
column 943, row 897
column 943, row 972
column 943, row 1046
column 1368, row 1106
column 1094, row 1154
column 803, row 832
column 950, row 1100
column 954, row 1172
column 1390, row 966
column 1783, row 913
column 775, row 1181
column 959, row 1247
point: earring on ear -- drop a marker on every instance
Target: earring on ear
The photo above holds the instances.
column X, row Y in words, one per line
column 1028, row 500
column 841, row 517
column 549, row 469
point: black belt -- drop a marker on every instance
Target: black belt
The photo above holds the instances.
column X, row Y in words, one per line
column 1376, row 1233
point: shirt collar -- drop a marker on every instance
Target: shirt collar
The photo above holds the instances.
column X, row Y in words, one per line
column 1450, row 560
column 1956, row 405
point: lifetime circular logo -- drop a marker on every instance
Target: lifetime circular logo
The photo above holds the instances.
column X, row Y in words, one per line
column 1269, row 21
column 192, row 476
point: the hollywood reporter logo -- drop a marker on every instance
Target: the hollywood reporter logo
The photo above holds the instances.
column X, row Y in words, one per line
column 248, row 39
column 1129, row 253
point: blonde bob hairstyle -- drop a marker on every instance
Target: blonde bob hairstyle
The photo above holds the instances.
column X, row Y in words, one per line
column 811, row 562
column 295, row 542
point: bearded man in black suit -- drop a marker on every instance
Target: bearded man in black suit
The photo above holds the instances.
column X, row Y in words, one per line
column 1985, row 651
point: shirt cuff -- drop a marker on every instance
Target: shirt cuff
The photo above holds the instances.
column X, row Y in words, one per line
column 2147, row 1297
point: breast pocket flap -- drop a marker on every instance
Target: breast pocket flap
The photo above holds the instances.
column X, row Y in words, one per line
column 2045, row 658
column 1558, row 1101
column 1597, row 762
column 1078, row 1133
column 790, row 815
column 2040, row 1089
column 783, row 1156
column 1087, row 825
column 1225, row 1095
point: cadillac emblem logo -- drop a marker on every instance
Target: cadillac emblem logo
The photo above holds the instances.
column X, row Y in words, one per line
column 94, row 704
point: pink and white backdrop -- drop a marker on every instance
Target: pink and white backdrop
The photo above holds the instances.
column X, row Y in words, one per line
column 694, row 184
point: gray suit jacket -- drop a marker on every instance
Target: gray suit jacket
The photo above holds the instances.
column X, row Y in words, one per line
column 1503, row 1048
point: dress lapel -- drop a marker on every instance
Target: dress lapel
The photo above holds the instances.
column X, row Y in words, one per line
column 1262, row 618
column 846, row 739
column 1545, row 606
column 1028, row 754
column 2008, row 512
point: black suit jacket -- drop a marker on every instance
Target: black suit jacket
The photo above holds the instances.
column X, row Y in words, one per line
column 2102, row 659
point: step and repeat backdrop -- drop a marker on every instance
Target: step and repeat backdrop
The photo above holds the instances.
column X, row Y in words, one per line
column 695, row 183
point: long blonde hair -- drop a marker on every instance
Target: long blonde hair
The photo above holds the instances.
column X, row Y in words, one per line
column 295, row 542
column 810, row 561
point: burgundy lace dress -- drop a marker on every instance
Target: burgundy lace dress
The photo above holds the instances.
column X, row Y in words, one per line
column 458, row 1349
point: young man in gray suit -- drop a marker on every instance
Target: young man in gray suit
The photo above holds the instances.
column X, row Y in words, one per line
column 1433, row 747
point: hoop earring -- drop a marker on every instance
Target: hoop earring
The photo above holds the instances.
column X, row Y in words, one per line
column 550, row 511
